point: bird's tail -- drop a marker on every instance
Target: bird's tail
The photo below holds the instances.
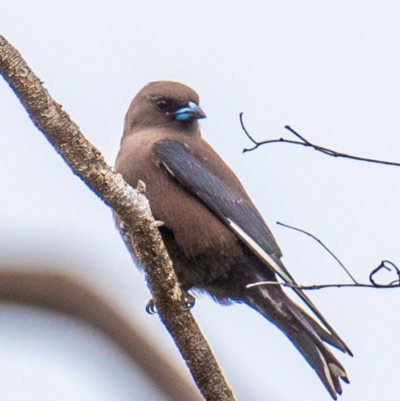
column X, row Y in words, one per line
column 306, row 334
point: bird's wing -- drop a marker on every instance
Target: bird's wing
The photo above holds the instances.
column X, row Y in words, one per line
column 233, row 209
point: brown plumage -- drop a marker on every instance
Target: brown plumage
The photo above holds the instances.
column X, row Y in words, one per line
column 216, row 238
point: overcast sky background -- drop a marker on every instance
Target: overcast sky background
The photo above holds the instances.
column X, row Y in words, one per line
column 328, row 69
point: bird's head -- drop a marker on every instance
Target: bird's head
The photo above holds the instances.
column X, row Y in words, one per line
column 167, row 105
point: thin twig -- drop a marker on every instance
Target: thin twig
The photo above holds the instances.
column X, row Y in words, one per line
column 322, row 286
column 324, row 246
column 373, row 284
column 306, row 143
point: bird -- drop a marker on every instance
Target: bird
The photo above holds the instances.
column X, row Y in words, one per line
column 217, row 240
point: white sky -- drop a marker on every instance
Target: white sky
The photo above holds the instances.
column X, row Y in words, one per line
column 330, row 70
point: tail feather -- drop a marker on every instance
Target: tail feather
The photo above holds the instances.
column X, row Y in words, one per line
column 305, row 334
column 321, row 333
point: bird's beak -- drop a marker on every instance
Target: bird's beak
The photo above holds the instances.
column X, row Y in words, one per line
column 192, row 110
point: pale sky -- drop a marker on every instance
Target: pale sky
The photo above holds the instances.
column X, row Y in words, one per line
column 328, row 69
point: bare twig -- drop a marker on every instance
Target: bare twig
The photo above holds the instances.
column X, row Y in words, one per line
column 394, row 283
column 306, row 143
column 323, row 245
column 373, row 284
column 138, row 223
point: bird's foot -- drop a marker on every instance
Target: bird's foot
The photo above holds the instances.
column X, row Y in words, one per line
column 151, row 307
column 189, row 299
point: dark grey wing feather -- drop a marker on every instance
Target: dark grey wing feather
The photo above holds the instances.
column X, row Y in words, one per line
column 232, row 208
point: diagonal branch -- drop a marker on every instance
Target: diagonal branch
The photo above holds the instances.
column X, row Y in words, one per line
column 141, row 230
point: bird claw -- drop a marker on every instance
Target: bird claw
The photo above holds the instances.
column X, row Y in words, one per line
column 189, row 299
column 151, row 307
column 158, row 223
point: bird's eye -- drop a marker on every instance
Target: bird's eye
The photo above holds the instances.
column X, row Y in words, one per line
column 163, row 105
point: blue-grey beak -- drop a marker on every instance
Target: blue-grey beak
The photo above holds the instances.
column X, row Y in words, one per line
column 192, row 110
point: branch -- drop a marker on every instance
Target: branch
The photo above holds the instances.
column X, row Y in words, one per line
column 141, row 230
column 373, row 284
column 61, row 293
column 324, row 246
column 304, row 142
